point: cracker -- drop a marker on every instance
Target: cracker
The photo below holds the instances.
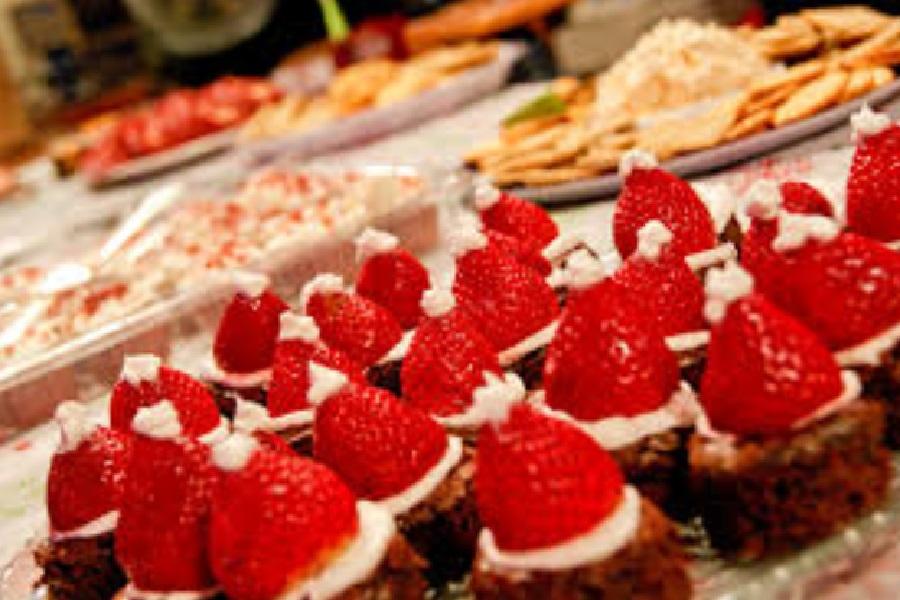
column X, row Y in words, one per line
column 790, row 36
column 813, row 97
column 796, row 75
column 538, row 177
column 602, row 159
column 862, row 54
column 750, row 124
column 529, row 127
column 566, row 88
column 859, row 82
column 564, row 151
column 677, row 136
column 770, row 100
column 842, row 24
column 882, row 76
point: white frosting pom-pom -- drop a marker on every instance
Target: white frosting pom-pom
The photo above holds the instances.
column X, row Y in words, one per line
column 249, row 416
column 584, row 271
column 437, row 302
column 723, row 286
column 636, row 159
column 497, row 396
column 794, row 231
column 234, row 452
column 486, row 196
column 867, row 122
column 324, row 383
column 141, row 367
column 652, row 237
column 74, row 426
column 763, row 200
column 159, row 421
column 324, row 283
column 466, row 239
column 373, row 242
column 298, row 327
column 249, row 283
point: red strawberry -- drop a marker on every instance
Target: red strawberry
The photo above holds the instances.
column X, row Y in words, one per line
column 650, row 193
column 377, row 444
column 525, row 253
column 873, row 189
column 607, row 359
column 661, row 285
column 540, row 481
column 503, row 212
column 245, row 339
column 765, row 371
column 144, row 383
column 290, row 373
column 801, row 198
column 275, row 522
column 87, row 473
column 362, row 329
column 391, row 277
column 161, row 539
column 447, row 359
column 846, row 290
column 507, row 301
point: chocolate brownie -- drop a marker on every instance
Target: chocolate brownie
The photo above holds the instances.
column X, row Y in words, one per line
column 882, row 384
column 657, row 466
column 768, row 496
column 386, row 376
column 81, row 569
column 398, row 578
column 651, row 567
column 530, row 368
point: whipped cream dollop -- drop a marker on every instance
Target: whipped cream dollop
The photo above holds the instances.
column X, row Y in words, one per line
column 141, row 367
column 871, row 352
column 217, row 433
column 437, row 302
column 866, row 122
column 581, row 271
column 298, row 327
column 561, row 245
column 486, row 196
column 234, row 452
column 717, row 255
column 74, row 425
column 723, row 286
column 689, row 340
column 653, row 236
column 614, row 433
column 159, row 421
column 412, row 496
column 539, row 339
column 249, row 283
column 323, row 283
column 763, row 200
column 490, row 402
column 466, row 238
column 356, row 563
column 636, row 159
column 99, row 526
column 794, row 231
column 324, row 383
column 372, row 242
column 605, row 539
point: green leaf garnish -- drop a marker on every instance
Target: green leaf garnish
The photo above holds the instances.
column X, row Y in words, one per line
column 547, row 104
column 335, row 21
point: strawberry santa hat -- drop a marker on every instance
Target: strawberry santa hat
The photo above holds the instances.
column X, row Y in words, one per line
column 528, row 458
column 365, row 331
column 766, row 373
column 390, row 276
column 509, row 302
column 447, row 359
column 145, row 382
column 283, row 526
column 163, row 530
column 648, row 193
column 87, row 473
column 509, row 215
column 873, row 188
column 247, row 332
column 298, row 346
column 386, row 450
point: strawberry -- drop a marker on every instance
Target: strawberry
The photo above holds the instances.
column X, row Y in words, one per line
column 801, row 198
column 377, row 444
column 161, row 539
column 873, row 188
column 608, row 359
column 525, row 253
column 144, row 383
column 846, row 290
column 507, row 214
column 245, row 339
column 276, row 521
column 765, row 371
column 290, row 372
column 650, row 193
column 351, row 323
column 540, row 481
column 659, row 284
column 507, row 301
column 447, row 359
column 87, row 473
column 391, row 276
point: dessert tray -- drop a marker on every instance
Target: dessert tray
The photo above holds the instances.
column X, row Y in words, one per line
column 68, row 361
